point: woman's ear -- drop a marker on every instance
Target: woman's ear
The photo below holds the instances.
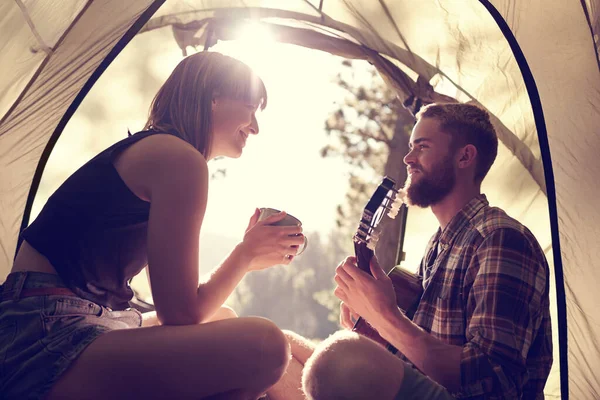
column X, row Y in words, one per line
column 467, row 156
column 215, row 100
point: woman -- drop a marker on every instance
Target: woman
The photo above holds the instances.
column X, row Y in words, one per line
column 66, row 331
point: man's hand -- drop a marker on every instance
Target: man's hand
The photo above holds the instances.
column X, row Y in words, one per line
column 372, row 297
column 347, row 316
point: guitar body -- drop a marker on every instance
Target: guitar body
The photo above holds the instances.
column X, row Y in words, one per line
column 408, row 286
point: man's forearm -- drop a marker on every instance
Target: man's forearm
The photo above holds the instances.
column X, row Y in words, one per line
column 438, row 360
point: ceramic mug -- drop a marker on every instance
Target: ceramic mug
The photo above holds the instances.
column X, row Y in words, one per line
column 289, row 220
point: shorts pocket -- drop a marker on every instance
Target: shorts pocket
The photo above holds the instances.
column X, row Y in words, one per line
column 65, row 306
column 68, row 322
column 7, row 336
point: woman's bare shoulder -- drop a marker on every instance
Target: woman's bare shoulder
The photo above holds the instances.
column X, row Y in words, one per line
column 167, row 145
column 159, row 159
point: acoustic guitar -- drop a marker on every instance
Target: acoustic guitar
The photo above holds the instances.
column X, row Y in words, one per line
column 408, row 286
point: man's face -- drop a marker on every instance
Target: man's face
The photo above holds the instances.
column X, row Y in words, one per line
column 430, row 164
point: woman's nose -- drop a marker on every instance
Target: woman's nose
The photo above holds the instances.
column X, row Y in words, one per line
column 254, row 126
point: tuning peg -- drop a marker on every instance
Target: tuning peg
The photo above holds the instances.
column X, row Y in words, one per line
column 394, row 202
column 395, row 207
column 373, row 239
column 398, row 201
column 360, row 236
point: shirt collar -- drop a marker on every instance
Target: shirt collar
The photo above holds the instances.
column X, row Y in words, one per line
column 461, row 218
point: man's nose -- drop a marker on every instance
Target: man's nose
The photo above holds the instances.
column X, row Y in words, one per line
column 409, row 158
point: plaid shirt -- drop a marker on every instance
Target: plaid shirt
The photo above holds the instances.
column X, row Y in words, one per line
column 488, row 293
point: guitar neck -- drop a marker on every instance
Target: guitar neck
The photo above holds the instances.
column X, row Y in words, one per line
column 363, row 256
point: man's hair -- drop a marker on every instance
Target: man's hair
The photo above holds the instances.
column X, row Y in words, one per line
column 466, row 124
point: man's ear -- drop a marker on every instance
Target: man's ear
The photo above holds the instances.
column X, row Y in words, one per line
column 467, row 156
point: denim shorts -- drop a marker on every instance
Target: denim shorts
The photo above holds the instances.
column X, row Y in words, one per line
column 40, row 336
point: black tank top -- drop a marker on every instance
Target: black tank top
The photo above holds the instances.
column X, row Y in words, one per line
column 93, row 230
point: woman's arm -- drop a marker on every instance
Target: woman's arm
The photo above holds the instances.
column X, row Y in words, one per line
column 263, row 246
column 177, row 188
column 173, row 176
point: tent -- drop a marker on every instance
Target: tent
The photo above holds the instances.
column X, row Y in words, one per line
column 533, row 64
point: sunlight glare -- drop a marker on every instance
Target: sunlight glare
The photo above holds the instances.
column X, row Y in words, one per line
column 255, row 44
column 282, row 166
column 254, row 31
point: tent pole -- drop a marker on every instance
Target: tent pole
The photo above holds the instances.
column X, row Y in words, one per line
column 540, row 123
column 37, row 177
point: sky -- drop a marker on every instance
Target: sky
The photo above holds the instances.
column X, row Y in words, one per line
column 281, row 166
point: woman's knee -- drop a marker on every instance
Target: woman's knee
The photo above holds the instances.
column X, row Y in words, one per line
column 273, row 348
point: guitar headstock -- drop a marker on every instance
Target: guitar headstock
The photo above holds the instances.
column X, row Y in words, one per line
column 384, row 200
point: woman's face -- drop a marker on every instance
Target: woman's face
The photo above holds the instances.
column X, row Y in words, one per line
column 232, row 122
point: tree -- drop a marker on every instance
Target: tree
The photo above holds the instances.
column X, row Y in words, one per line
column 286, row 294
column 370, row 130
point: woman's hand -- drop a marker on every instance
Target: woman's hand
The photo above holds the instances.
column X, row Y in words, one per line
column 266, row 245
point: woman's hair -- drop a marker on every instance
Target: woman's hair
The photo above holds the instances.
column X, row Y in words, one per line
column 183, row 105
column 466, row 124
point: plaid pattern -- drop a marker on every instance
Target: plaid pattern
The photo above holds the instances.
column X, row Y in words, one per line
column 488, row 293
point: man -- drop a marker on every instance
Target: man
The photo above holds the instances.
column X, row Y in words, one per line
column 482, row 328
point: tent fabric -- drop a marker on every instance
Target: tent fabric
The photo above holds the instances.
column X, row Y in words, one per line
column 23, row 21
column 534, row 65
column 45, row 70
column 592, row 11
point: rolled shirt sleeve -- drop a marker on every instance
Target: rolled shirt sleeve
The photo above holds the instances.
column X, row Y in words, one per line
column 504, row 312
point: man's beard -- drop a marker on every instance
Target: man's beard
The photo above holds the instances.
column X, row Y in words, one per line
column 432, row 187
